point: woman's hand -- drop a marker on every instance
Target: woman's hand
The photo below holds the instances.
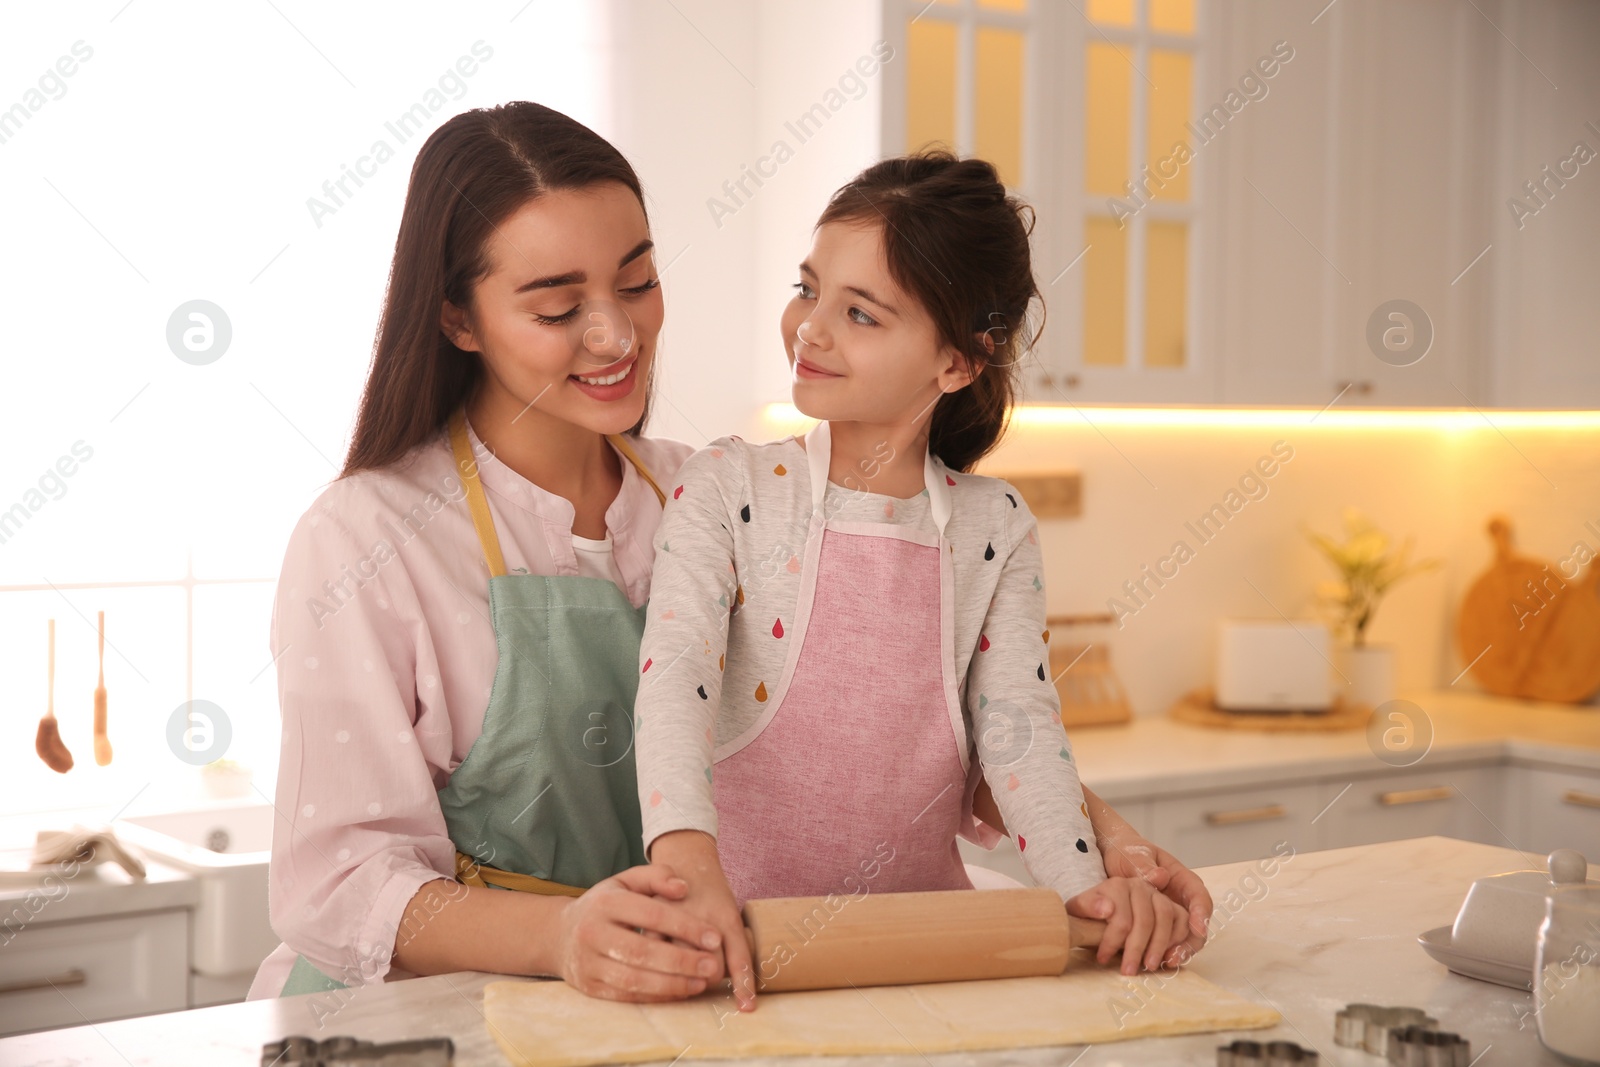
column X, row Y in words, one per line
column 1141, row 923
column 709, row 899
column 628, row 938
column 1135, row 857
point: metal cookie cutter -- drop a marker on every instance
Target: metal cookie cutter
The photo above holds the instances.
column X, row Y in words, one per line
column 1268, row 1054
column 1414, row 1046
column 349, row 1052
column 1367, row 1026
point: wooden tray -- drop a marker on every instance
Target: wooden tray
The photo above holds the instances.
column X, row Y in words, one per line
column 1197, row 708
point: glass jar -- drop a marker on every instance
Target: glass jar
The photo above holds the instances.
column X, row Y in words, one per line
column 1566, row 976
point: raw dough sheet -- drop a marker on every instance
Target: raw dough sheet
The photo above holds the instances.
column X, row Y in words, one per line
column 549, row 1024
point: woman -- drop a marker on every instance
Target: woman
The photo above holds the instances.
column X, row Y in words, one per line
column 458, row 618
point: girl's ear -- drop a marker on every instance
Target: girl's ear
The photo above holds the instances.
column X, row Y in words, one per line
column 960, row 369
column 457, row 326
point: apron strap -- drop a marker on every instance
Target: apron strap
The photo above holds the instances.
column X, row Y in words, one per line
column 819, row 450
column 621, row 444
column 470, row 872
column 478, row 503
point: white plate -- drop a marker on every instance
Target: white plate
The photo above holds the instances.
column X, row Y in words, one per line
column 1437, row 943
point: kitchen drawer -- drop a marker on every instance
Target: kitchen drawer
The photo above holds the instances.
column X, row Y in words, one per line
column 1559, row 809
column 1462, row 802
column 100, row 969
column 1226, row 827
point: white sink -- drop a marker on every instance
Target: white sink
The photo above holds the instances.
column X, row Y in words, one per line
column 226, row 849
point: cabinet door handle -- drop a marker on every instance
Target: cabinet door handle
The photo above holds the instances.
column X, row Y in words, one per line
column 1580, row 799
column 1241, row 815
column 1415, row 796
column 65, row 978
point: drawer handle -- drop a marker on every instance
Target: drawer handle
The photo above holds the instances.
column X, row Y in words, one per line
column 67, row 978
column 1242, row 815
column 1415, row 796
column 1580, row 799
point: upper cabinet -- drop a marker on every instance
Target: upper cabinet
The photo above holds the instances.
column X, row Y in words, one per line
column 1284, row 203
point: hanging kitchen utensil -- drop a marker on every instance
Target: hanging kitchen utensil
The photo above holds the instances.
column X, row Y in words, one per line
column 1091, row 694
column 102, row 743
column 1527, row 631
column 48, row 741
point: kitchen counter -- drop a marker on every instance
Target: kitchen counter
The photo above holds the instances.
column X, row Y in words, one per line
column 1156, row 756
column 1324, row 929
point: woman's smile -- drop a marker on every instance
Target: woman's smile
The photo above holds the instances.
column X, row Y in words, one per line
column 616, row 383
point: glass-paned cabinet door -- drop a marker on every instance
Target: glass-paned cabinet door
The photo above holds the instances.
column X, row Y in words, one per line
column 1086, row 111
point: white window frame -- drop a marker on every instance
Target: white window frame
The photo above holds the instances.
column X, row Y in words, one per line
column 1052, row 180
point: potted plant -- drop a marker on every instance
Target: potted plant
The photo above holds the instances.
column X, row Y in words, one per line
column 1369, row 565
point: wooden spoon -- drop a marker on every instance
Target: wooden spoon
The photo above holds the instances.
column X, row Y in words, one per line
column 48, row 741
column 102, row 744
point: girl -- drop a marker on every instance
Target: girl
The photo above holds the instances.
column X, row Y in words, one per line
column 846, row 632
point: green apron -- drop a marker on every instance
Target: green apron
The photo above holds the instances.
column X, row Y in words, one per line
column 546, row 800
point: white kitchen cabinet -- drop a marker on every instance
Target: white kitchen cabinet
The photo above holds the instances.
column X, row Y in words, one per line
column 88, row 970
column 1556, row 808
column 1461, row 802
column 1244, row 824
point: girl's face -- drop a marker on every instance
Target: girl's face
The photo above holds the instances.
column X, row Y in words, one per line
column 567, row 318
column 859, row 348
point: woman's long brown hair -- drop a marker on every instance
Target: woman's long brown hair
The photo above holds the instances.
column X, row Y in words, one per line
column 476, row 170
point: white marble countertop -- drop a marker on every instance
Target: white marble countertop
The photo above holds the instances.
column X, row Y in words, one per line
column 1156, row 756
column 1326, row 929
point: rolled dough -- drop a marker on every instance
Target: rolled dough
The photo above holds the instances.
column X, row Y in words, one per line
column 549, row 1024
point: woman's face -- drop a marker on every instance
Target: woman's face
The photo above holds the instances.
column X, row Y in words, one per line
column 860, row 349
column 567, row 318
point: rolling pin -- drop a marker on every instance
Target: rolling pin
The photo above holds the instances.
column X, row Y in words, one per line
column 909, row 938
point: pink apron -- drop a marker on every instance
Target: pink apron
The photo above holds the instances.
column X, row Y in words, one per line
column 859, row 775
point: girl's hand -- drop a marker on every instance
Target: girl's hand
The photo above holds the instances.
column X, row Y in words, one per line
column 604, row 953
column 1135, row 857
column 711, row 901
column 1140, row 921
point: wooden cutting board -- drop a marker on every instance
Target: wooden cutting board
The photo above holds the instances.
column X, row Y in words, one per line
column 1527, row 631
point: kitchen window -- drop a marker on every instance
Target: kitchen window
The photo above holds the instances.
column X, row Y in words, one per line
column 1103, row 143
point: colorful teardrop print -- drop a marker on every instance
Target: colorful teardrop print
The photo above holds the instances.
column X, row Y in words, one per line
column 777, row 628
column 722, row 662
column 1012, row 499
column 793, row 566
column 738, row 595
column 761, row 692
column 708, row 774
column 983, row 701
column 1037, row 584
column 949, row 480
column 1083, row 846
column 647, row 665
column 780, row 470
column 669, row 614
column 1022, row 843
column 888, row 511
column 744, row 513
column 716, row 453
column 655, row 799
column 1084, row 807
column 983, row 642
column 676, row 493
column 702, row 691
column 1046, row 636
column 1012, row 783
column 1041, row 672
column 988, row 552
column 1064, row 754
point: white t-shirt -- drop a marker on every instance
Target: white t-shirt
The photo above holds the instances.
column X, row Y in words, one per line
column 596, row 560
